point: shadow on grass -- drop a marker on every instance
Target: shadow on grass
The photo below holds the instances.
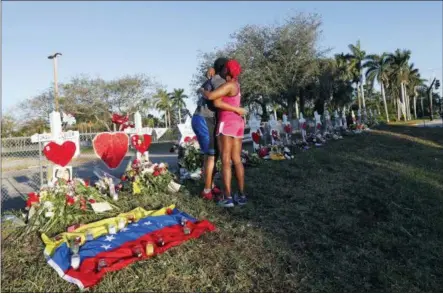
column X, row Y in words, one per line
column 427, row 136
column 353, row 216
column 359, row 215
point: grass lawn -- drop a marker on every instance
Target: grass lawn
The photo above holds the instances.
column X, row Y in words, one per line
column 364, row 214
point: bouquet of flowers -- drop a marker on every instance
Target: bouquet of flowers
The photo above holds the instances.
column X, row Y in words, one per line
column 358, row 128
column 300, row 144
column 275, row 152
column 250, row 159
column 190, row 159
column 145, row 176
column 106, row 184
column 62, row 202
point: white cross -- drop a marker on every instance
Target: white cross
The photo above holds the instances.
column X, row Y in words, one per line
column 273, row 127
column 254, row 126
column 301, row 121
column 109, row 238
column 57, row 135
column 317, row 122
column 327, row 121
column 343, row 116
column 186, row 129
column 138, row 129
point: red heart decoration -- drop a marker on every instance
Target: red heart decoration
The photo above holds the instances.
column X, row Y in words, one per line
column 263, row 152
column 256, row 137
column 318, row 126
column 288, row 129
column 274, row 134
column 189, row 139
column 111, row 148
column 60, row 154
column 303, row 126
column 141, row 145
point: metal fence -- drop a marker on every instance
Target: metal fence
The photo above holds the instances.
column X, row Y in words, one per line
column 25, row 168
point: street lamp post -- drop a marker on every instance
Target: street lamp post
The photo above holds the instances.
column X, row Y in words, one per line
column 54, row 59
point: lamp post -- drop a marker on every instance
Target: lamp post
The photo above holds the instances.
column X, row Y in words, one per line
column 54, row 59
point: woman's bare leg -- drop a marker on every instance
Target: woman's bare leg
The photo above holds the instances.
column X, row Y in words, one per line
column 238, row 165
column 226, row 163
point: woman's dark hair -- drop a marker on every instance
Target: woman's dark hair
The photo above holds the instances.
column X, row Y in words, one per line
column 219, row 64
column 59, row 172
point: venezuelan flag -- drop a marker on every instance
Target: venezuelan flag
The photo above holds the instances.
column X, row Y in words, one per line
column 146, row 233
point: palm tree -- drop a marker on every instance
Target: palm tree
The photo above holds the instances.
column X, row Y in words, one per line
column 399, row 63
column 415, row 85
column 163, row 103
column 379, row 70
column 410, row 74
column 356, row 58
column 177, row 97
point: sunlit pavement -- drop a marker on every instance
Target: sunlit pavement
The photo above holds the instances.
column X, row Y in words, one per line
column 16, row 184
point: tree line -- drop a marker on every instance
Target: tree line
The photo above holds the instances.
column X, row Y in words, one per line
column 93, row 101
column 285, row 68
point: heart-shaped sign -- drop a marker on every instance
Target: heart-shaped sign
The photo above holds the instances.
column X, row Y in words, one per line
column 141, row 142
column 111, row 148
column 256, row 137
column 189, row 139
column 60, row 154
column 303, row 126
column 274, row 134
column 318, row 126
column 288, row 128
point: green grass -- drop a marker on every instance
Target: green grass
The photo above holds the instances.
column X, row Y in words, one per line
column 364, row 214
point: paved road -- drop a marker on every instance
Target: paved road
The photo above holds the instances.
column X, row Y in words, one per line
column 431, row 124
column 17, row 184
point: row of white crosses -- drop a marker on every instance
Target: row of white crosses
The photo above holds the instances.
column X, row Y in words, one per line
column 58, row 136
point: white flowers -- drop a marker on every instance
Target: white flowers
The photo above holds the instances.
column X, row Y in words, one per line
column 149, row 169
column 49, row 206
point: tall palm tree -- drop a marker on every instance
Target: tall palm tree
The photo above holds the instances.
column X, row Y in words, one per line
column 378, row 70
column 177, row 97
column 163, row 103
column 410, row 74
column 356, row 58
column 415, row 85
column 399, row 63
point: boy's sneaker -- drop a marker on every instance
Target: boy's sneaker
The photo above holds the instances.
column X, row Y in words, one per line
column 240, row 200
column 226, row 202
column 207, row 196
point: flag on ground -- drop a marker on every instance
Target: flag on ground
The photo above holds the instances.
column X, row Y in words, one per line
column 147, row 233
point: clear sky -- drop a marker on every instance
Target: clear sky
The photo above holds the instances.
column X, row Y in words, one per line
column 162, row 39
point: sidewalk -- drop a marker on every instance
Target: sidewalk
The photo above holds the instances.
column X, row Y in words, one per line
column 430, row 124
